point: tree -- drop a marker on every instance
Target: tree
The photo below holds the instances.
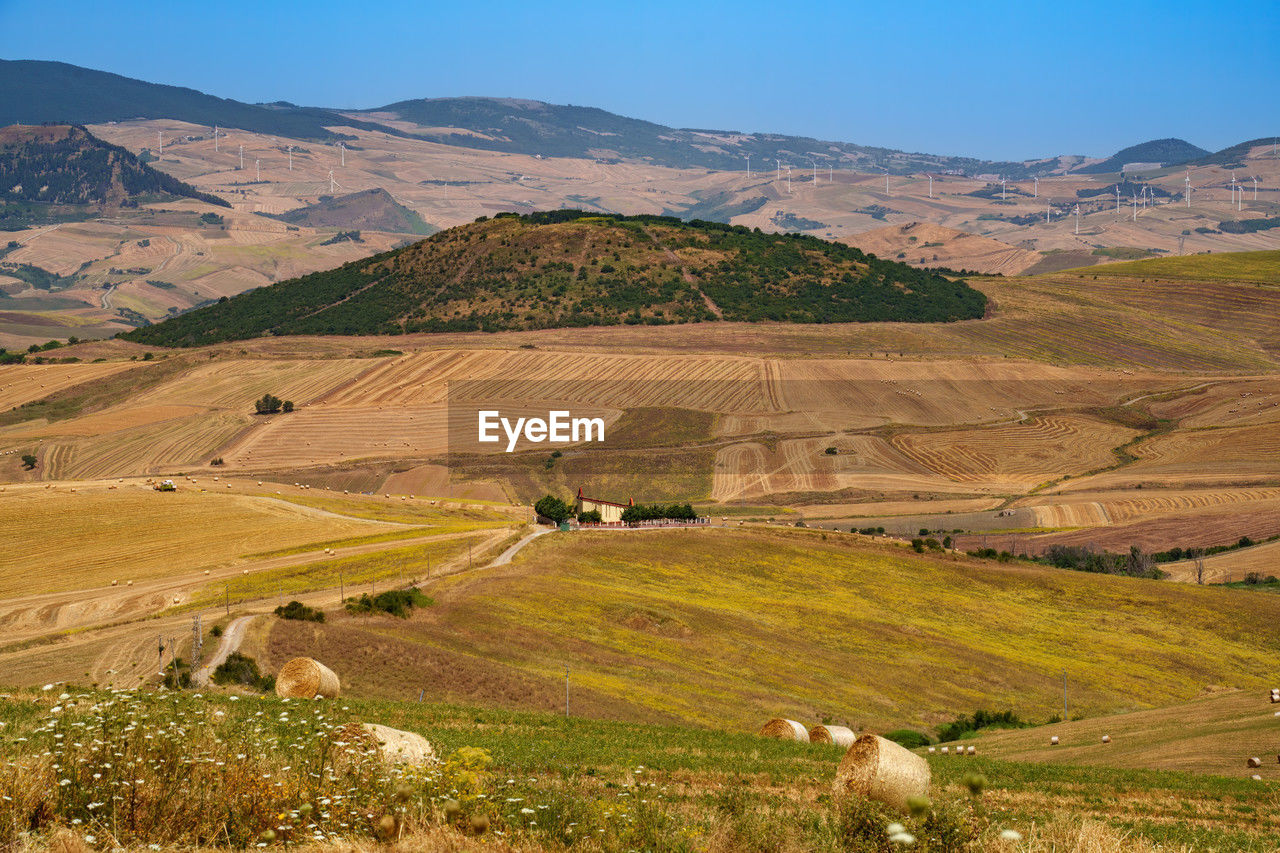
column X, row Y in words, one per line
column 287, row 406
column 28, row 461
column 269, row 404
column 553, row 508
column 590, row 517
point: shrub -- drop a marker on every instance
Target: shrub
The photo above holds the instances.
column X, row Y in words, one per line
column 29, row 461
column 910, row 738
column 396, row 602
column 963, row 727
column 590, row 517
column 917, row 545
column 243, row 670
column 298, row 611
column 553, row 508
column 831, row 451
column 267, row 404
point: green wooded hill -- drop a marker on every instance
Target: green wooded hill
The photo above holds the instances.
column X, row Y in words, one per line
column 67, row 165
column 571, row 268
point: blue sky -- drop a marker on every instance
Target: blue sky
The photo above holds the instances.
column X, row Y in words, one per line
column 988, row 79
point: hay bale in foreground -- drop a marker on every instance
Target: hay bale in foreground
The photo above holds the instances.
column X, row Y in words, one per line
column 838, row 735
column 401, row 747
column 785, row 730
column 881, row 770
column 304, row 678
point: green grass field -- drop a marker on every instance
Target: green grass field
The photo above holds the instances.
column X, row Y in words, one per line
column 544, row 782
column 727, row 628
column 1260, row 267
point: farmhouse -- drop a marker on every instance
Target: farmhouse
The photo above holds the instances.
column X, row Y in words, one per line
column 609, row 511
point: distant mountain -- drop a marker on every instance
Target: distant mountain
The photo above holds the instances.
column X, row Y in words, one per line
column 370, row 210
column 552, row 130
column 62, row 166
column 1232, row 154
column 569, row 268
column 1166, row 152
column 36, row 92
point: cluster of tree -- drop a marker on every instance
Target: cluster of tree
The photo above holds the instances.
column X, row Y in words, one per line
column 529, row 272
column 1128, row 189
column 344, row 236
column 553, row 508
column 77, row 168
column 300, row 612
column 1084, row 559
column 653, row 512
column 1249, row 226
column 270, row 404
column 396, row 602
column 39, row 277
column 966, row 727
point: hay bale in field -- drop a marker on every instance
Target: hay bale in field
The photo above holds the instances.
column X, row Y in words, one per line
column 946, row 750
column 932, row 750
column 1254, row 762
column 304, row 678
column 1053, row 741
column 838, row 735
column 1106, row 738
column 785, row 730
column 973, row 750
column 881, row 770
column 1255, row 777
column 400, row 747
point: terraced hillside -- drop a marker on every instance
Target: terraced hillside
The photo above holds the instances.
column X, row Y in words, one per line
column 570, row 268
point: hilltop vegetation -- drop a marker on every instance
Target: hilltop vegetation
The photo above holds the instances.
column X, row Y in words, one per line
column 1164, row 151
column 370, row 210
column 569, row 268
column 61, row 166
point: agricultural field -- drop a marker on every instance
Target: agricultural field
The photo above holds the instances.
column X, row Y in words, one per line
column 727, row 628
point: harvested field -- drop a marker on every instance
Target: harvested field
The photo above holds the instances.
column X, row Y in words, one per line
column 22, row 383
column 235, row 383
column 104, row 422
column 1263, row 560
column 322, row 435
column 134, row 533
column 152, row 448
column 1017, row 456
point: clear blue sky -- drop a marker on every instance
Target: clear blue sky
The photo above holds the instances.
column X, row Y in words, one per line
column 989, row 79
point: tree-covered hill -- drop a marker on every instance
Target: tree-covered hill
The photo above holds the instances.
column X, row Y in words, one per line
column 570, row 268
column 66, row 165
column 1167, row 152
column 371, row 210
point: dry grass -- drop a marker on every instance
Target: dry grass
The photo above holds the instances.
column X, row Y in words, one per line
column 96, row 535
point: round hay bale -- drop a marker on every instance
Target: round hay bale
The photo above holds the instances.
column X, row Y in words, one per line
column 1254, row 762
column 1106, row 738
column 946, row 750
column 401, row 747
column 838, row 735
column 1255, row 777
column 881, row 770
column 304, row 678
column 973, row 750
column 1053, row 741
column 932, row 750
column 785, row 730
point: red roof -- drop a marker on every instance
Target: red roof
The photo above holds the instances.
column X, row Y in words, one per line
column 581, row 497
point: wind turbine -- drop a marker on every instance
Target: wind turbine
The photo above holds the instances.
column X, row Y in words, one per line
column 242, row 157
column 290, row 158
column 830, row 173
column 160, row 140
column 1254, row 178
column 1135, row 207
column 748, row 167
column 778, row 170
column 1187, row 192
column 1046, row 211
column 215, row 137
column 886, row 182
column 1002, row 189
column 332, row 182
column 1077, row 219
column 788, row 180
column 342, row 148
column 1117, row 198
column 931, row 186
column 1035, row 191
column 257, row 167
column 815, row 170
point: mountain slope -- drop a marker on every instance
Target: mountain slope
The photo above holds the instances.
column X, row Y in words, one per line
column 372, row 210
column 66, row 165
column 553, row 130
column 568, row 268
column 33, row 92
column 1166, row 152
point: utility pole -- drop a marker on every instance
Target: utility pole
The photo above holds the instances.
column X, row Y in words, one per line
column 226, row 588
column 566, row 691
column 197, row 643
column 1064, row 696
